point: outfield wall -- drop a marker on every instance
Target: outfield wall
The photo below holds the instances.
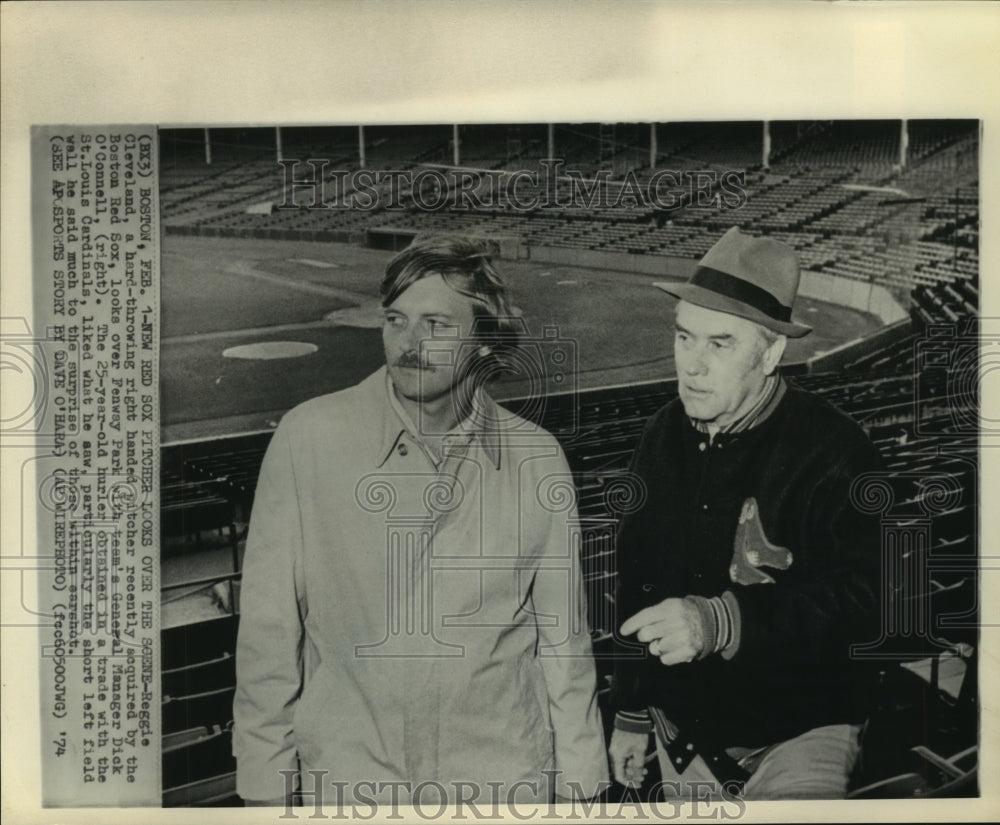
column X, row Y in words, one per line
column 847, row 292
column 659, row 266
column 822, row 286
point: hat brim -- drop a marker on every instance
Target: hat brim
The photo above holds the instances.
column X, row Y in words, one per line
column 708, row 299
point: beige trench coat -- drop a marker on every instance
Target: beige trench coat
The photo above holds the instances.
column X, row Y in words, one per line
column 406, row 623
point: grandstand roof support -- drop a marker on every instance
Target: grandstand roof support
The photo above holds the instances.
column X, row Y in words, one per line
column 361, row 146
column 277, row 143
column 208, row 149
column 456, row 155
column 765, row 159
column 652, row 146
column 608, row 145
column 552, row 140
column 514, row 143
column 904, row 143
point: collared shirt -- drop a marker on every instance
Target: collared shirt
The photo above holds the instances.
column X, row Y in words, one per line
column 476, row 424
column 403, row 621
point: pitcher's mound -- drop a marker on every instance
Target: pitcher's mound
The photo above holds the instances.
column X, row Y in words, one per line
column 268, row 350
column 368, row 316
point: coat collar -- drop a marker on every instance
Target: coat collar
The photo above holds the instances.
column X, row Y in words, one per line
column 483, row 423
column 773, row 392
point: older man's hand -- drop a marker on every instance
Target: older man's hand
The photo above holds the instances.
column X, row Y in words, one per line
column 628, row 756
column 672, row 629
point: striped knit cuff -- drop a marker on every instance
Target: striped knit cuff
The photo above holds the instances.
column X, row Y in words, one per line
column 732, row 607
column 716, row 623
column 637, row 721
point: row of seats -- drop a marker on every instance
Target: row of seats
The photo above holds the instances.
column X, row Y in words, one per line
column 198, row 682
column 945, row 303
column 847, row 233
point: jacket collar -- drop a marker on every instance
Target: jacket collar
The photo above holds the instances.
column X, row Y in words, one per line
column 773, row 392
column 483, row 423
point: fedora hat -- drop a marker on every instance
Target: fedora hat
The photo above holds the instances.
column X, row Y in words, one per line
column 752, row 278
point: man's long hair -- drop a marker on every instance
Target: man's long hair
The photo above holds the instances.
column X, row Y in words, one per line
column 466, row 266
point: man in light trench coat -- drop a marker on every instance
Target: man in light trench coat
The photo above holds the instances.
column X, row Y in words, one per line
column 413, row 626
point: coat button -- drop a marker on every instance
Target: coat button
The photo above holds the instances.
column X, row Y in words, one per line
column 646, row 588
column 702, row 446
column 402, row 449
column 704, row 506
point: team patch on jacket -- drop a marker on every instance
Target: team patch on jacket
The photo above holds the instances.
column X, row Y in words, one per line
column 752, row 549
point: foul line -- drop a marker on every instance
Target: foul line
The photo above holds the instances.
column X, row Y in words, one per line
column 247, row 270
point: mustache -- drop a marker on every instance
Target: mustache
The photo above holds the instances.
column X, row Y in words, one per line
column 411, row 360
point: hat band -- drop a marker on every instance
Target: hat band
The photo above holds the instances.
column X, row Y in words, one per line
column 743, row 291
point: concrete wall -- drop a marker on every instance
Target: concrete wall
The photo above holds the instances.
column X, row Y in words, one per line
column 655, row 265
column 821, row 286
column 858, row 295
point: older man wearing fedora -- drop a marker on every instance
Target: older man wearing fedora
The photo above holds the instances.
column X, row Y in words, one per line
column 747, row 574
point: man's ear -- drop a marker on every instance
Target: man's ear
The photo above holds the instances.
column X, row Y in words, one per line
column 772, row 355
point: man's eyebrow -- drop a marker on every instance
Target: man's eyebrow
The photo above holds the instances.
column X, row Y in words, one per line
column 722, row 336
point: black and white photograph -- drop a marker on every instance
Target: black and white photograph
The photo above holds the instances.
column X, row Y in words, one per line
column 557, row 456
column 651, row 295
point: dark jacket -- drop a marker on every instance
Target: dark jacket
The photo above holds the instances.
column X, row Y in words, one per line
column 791, row 671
